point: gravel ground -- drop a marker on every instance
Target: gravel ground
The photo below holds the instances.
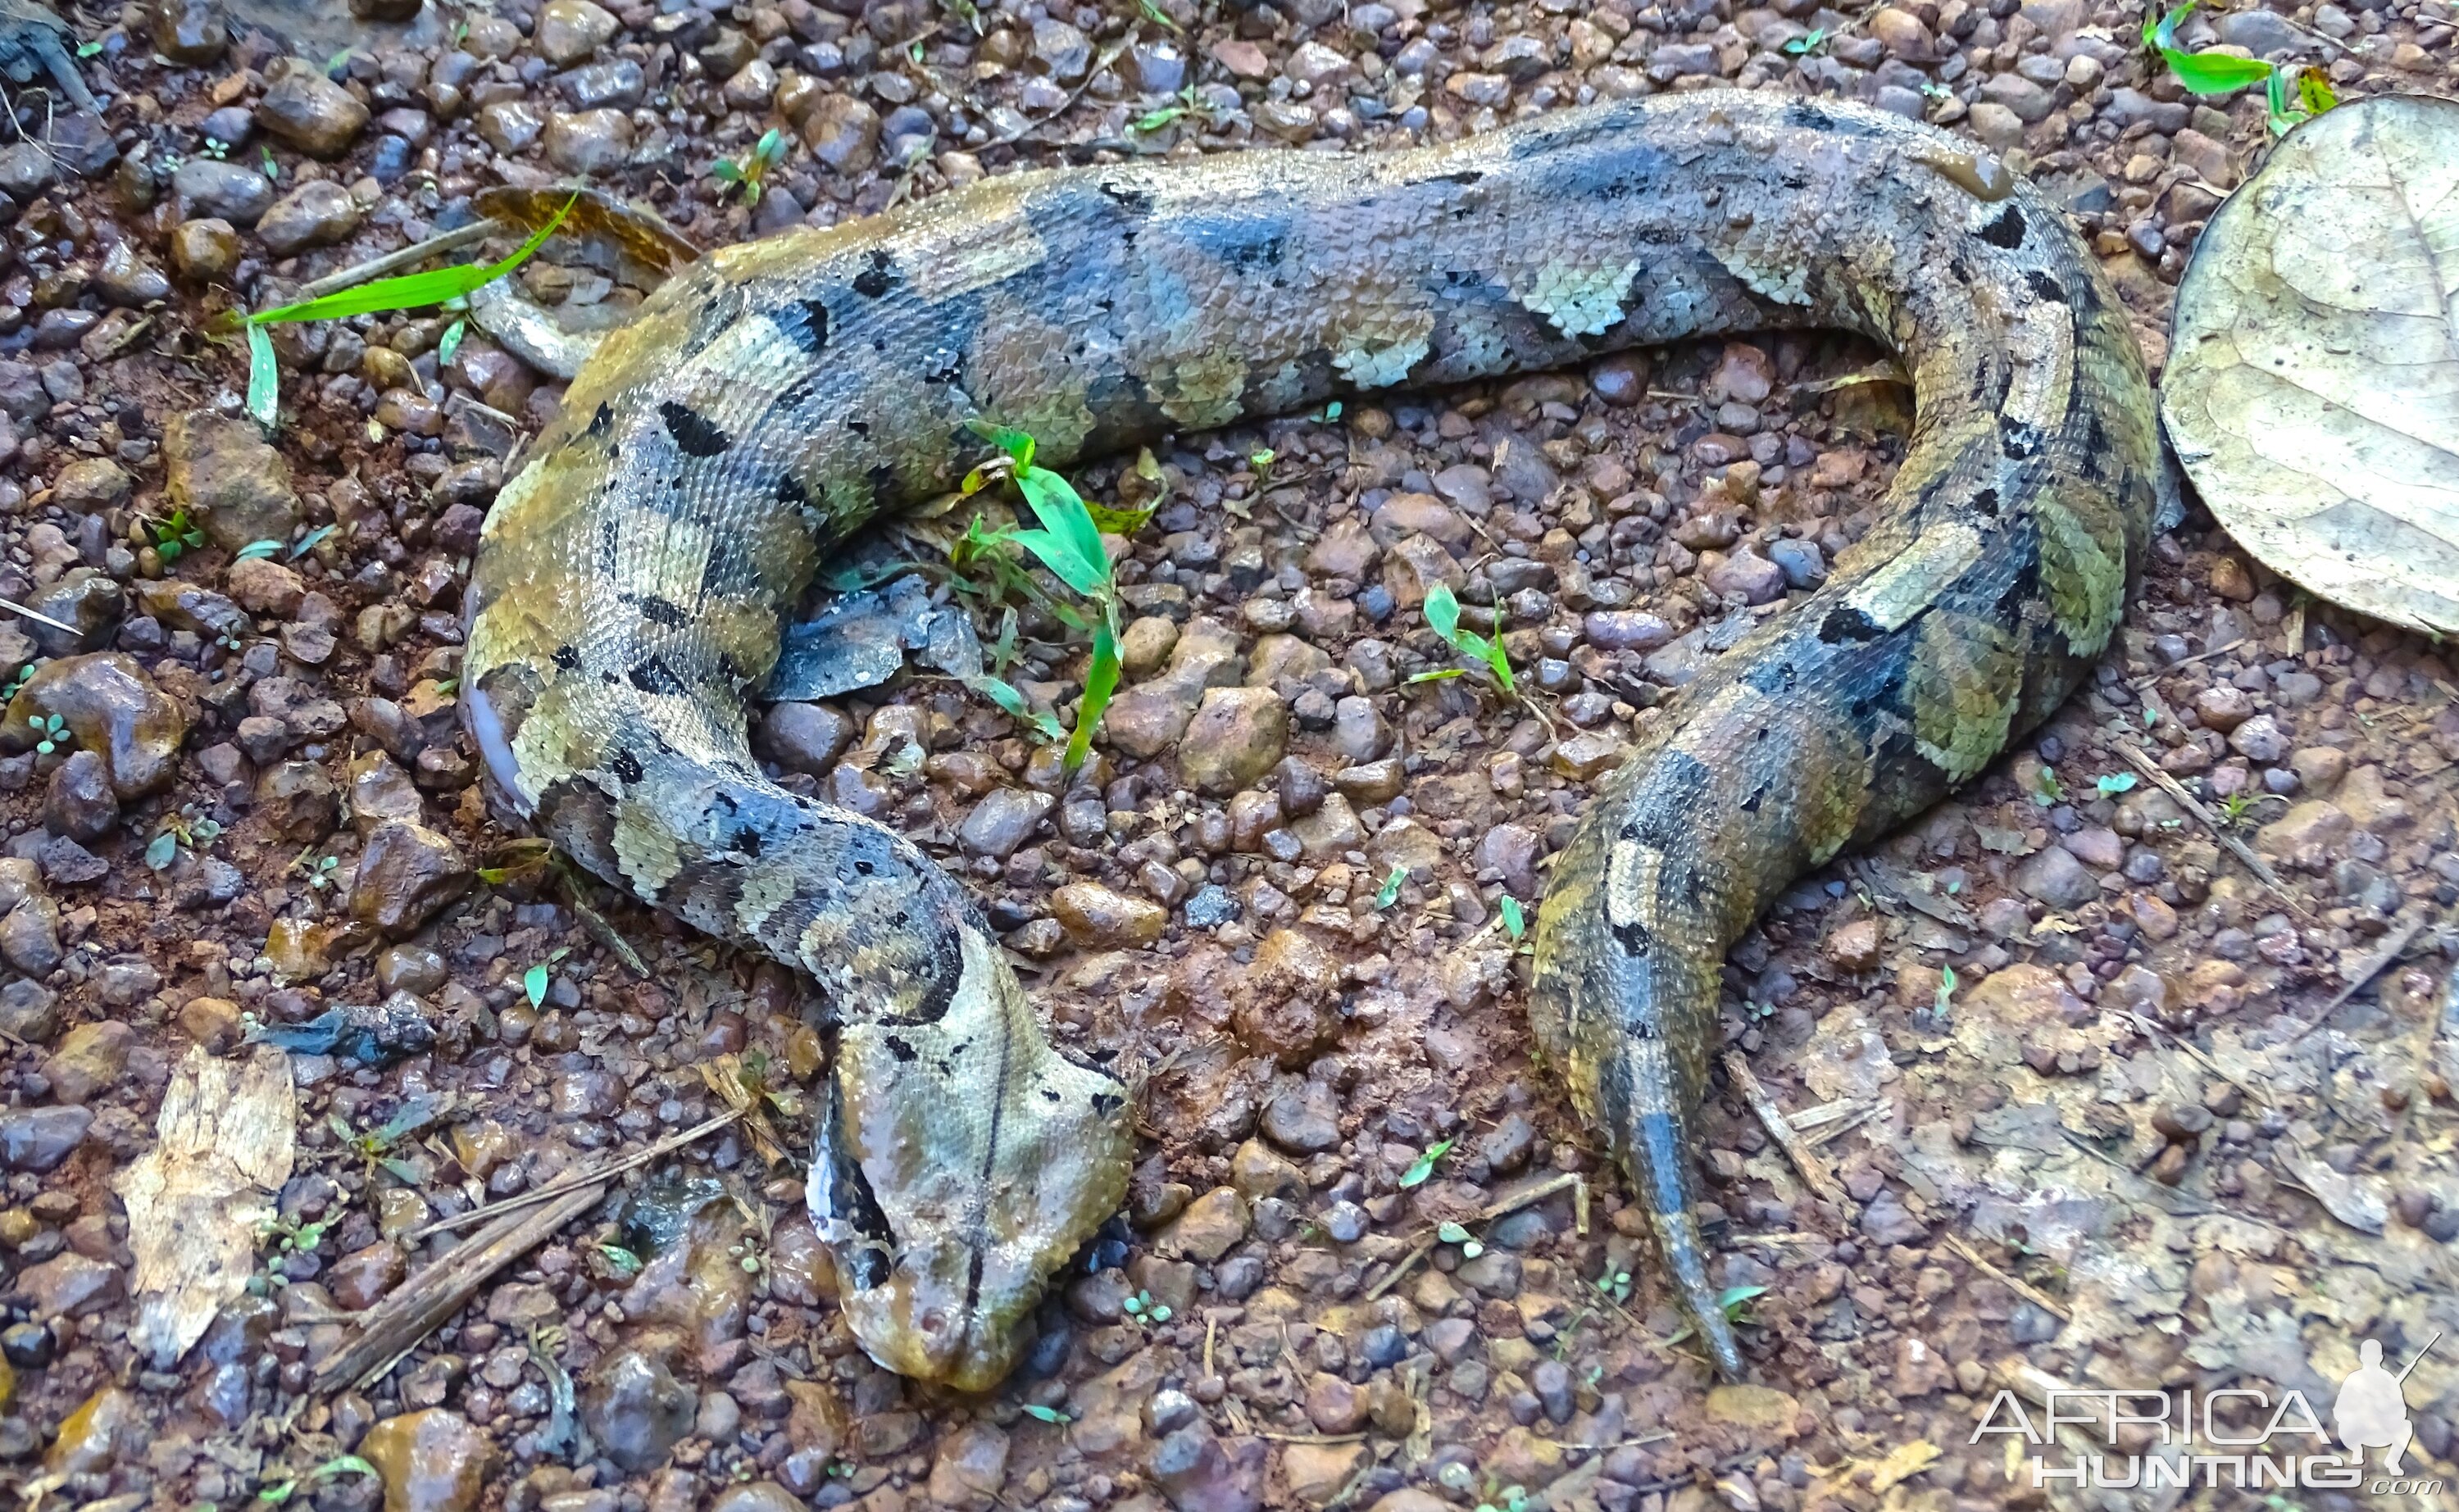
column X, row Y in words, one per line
column 2053, row 1042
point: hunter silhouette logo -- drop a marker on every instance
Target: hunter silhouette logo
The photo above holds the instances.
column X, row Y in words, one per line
column 2371, row 1411
column 2244, row 1437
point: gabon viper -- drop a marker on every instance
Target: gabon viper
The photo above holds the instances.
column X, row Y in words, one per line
column 634, row 577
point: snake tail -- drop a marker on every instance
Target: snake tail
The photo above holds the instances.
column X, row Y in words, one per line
column 631, row 588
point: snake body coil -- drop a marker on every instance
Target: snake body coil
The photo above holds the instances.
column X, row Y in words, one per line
column 634, row 577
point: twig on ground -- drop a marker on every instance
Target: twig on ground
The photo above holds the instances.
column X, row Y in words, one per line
column 1509, row 1205
column 2141, row 761
column 395, row 1325
column 1813, row 1171
column 39, row 618
column 1109, row 54
column 2016, row 1284
column 2366, row 971
column 374, row 268
column 573, row 1180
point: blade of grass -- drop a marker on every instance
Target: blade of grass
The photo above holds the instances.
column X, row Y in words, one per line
column 413, row 290
column 1101, row 680
column 264, row 378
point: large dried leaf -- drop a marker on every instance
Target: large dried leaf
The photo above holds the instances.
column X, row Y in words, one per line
column 224, row 1142
column 2313, row 381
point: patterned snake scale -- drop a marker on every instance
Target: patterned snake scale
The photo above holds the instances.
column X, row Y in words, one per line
column 775, row 397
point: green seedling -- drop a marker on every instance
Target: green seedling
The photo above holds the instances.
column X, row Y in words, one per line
column 2115, row 783
column 1442, row 613
column 1069, row 544
column 51, row 733
column 175, row 537
column 1040, row 1414
column 2047, row 791
column 1452, row 1233
column 1810, row 42
column 2291, row 93
column 185, row 830
column 1389, row 893
column 1145, row 1310
column 744, row 174
column 280, row 1492
column 1423, row 1165
column 1736, row 1304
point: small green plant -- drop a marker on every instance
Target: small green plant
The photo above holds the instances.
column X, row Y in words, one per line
column 449, row 342
column 280, row 1492
column 2292, row 92
column 1040, row 1414
column 273, row 169
column 1615, row 1284
column 1145, row 1310
column 1423, row 1165
column 1452, row 1233
column 533, row 985
column 175, row 537
column 2115, row 783
column 1389, row 893
column 1185, row 104
column 1942, row 1002
column 289, row 1236
column 1069, row 542
column 256, row 550
column 622, row 1261
column 1515, row 922
column 51, row 733
column 18, row 679
column 1809, row 42
column 409, row 291
column 1442, row 613
column 745, row 175
column 186, row 829
column 2047, row 791
column 2237, row 809
column 319, row 870
column 1734, row 1302
column 374, row 1146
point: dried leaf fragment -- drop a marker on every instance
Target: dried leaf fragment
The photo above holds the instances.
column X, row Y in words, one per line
column 225, row 1142
column 2313, row 382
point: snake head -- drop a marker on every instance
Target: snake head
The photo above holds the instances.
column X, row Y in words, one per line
column 961, row 1162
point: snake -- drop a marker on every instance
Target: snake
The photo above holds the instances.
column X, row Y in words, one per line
column 629, row 592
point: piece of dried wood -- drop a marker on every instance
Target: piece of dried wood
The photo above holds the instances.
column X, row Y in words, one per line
column 394, row 1326
column 1812, row 1166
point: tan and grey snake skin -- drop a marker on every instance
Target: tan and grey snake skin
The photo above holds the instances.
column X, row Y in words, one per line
column 775, row 397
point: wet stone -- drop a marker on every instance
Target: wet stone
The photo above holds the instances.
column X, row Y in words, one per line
column 1303, row 1117
column 89, row 1059
column 305, row 109
column 190, row 32
column 2057, row 878
column 1098, row 919
column 588, row 142
column 1237, row 735
column 38, row 1139
column 408, row 873
column 1004, row 819
column 223, row 474
column 318, row 213
column 206, row 188
column 431, row 1462
column 569, row 30
column 206, row 249
column 635, row 1408
column 78, row 802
